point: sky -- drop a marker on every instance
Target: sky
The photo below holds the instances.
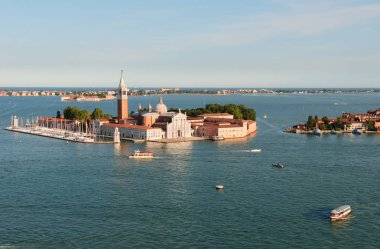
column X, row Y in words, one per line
column 190, row 43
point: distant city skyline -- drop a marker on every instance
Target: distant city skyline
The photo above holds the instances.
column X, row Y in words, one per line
column 191, row 43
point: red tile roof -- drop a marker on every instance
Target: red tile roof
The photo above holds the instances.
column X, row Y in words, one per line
column 137, row 127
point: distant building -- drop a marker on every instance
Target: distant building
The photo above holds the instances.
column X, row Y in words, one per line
column 174, row 125
column 224, row 127
column 122, row 100
column 130, row 131
column 217, row 115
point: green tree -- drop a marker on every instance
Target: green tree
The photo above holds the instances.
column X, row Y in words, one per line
column 309, row 123
column 84, row 115
column 325, row 120
column 71, row 112
column 370, row 125
column 338, row 124
column 97, row 113
column 58, row 114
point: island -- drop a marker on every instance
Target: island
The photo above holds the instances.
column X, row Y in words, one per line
column 214, row 121
column 356, row 123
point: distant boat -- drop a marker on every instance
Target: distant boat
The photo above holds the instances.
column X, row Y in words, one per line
column 256, row 150
column 141, row 154
column 317, row 132
column 217, row 138
column 278, row 165
column 219, row 187
column 265, row 116
column 340, row 212
column 357, row 131
column 333, row 132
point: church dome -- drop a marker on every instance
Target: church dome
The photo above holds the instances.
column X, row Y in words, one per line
column 161, row 107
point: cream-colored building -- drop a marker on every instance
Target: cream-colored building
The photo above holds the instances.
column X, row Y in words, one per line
column 130, row 131
column 174, row 125
column 224, row 128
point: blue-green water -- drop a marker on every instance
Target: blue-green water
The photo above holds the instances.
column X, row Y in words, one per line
column 58, row 195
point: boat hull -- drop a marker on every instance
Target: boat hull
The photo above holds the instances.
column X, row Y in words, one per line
column 140, row 157
column 340, row 216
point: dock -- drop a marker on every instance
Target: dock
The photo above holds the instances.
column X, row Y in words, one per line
column 58, row 134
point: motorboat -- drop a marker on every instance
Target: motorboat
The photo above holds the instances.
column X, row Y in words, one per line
column 357, row 131
column 333, row 132
column 217, row 138
column 340, row 212
column 219, row 187
column 278, row 165
column 141, row 154
column 317, row 132
column 256, row 150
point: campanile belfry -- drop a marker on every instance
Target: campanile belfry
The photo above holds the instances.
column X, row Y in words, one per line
column 122, row 99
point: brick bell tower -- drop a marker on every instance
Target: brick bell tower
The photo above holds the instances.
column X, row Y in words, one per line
column 122, row 99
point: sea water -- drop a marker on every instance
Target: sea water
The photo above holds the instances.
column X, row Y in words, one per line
column 59, row 195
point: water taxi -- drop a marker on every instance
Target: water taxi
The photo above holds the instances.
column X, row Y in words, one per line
column 141, row 154
column 340, row 212
column 256, row 150
column 278, row 165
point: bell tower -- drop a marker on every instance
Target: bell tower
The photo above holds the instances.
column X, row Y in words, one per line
column 122, row 99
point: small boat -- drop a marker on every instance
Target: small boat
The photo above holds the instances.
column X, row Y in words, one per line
column 219, row 187
column 265, row 116
column 217, row 138
column 317, row 132
column 141, row 154
column 256, row 150
column 357, row 131
column 278, row 165
column 340, row 212
column 333, row 132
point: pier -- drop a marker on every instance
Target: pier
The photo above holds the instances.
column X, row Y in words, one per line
column 56, row 131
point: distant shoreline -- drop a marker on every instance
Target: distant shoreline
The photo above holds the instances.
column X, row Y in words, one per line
column 191, row 91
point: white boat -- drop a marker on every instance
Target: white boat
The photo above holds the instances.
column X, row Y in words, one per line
column 357, row 131
column 340, row 212
column 278, row 165
column 317, row 132
column 219, row 187
column 333, row 132
column 256, row 150
column 265, row 116
column 217, row 138
column 141, row 154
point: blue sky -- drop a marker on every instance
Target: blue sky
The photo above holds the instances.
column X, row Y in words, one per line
column 190, row 43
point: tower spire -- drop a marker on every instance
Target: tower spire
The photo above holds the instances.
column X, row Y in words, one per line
column 122, row 99
column 122, row 81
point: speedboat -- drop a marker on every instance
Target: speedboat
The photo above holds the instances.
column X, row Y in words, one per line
column 219, row 187
column 256, row 150
column 340, row 212
column 141, row 154
column 278, row 165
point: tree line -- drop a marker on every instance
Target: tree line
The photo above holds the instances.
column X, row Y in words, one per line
column 238, row 111
column 338, row 124
column 73, row 112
